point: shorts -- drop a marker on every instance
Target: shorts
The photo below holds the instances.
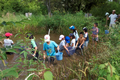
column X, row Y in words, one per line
column 112, row 25
column 81, row 46
column 95, row 39
column 86, row 43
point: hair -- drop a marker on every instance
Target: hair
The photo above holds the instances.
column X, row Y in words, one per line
column 74, row 30
column 73, row 36
column 96, row 24
column 30, row 36
column 7, row 36
column 85, row 29
column 81, row 33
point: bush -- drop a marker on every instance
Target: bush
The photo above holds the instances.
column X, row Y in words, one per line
column 106, row 7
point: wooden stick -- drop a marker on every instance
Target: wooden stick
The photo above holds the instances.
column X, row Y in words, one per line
column 4, row 62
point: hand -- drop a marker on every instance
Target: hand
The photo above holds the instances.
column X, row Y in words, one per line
column 68, row 51
column 33, row 55
column 75, row 46
column 44, row 57
column 58, row 48
column 80, row 46
column 115, row 20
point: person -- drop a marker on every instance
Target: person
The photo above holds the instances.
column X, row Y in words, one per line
column 72, row 41
column 86, row 37
column 80, row 41
column 63, row 44
column 112, row 18
column 8, row 42
column 75, row 33
column 95, row 32
column 33, row 45
column 49, row 48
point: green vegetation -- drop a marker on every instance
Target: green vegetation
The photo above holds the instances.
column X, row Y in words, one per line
column 98, row 63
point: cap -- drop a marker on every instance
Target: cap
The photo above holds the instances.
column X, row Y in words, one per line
column 67, row 39
column 71, row 34
column 114, row 10
column 72, row 27
column 46, row 38
column 61, row 36
column 84, row 28
column 8, row 34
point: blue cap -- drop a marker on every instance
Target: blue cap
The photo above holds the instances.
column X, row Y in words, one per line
column 72, row 27
column 67, row 39
column 71, row 34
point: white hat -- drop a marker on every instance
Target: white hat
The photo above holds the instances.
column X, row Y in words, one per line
column 61, row 36
column 46, row 38
column 114, row 10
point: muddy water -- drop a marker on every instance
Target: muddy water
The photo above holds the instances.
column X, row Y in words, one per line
column 12, row 58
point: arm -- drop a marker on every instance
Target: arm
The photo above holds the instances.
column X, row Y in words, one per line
column 43, row 54
column 72, row 44
column 76, row 44
column 35, row 51
column 82, row 43
column 66, row 48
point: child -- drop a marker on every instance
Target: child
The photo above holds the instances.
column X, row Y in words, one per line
column 80, row 41
column 95, row 31
column 49, row 48
column 63, row 44
column 86, row 37
column 33, row 46
column 72, row 41
column 75, row 33
column 7, row 42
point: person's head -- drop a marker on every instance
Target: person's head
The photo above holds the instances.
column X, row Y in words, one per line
column 95, row 24
column 47, row 38
column 8, row 35
column 85, row 29
column 67, row 39
column 30, row 36
column 113, row 12
column 81, row 34
column 62, row 37
column 71, row 36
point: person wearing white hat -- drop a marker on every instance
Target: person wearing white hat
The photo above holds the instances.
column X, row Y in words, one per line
column 62, row 44
column 112, row 18
column 49, row 47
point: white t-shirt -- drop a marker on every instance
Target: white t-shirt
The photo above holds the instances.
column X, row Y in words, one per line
column 76, row 35
column 8, row 42
column 73, row 42
column 62, row 43
column 112, row 18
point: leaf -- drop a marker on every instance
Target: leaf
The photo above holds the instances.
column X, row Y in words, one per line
column 11, row 50
column 11, row 73
column 101, row 66
column 32, row 69
column 108, row 77
column 48, row 75
column 113, row 69
column 117, row 77
column 25, row 54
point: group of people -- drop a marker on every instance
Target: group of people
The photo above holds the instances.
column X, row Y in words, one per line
column 80, row 40
column 77, row 41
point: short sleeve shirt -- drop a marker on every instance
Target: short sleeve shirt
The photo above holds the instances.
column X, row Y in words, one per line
column 61, row 45
column 8, row 42
column 33, row 43
column 86, row 36
column 73, row 42
column 95, row 30
column 112, row 18
column 50, row 49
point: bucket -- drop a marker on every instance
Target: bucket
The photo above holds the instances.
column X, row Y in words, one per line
column 106, row 31
column 71, row 51
column 59, row 56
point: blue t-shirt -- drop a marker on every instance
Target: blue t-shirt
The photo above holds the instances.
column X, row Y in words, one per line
column 50, row 49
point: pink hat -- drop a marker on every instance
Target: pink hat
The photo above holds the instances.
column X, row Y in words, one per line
column 8, row 34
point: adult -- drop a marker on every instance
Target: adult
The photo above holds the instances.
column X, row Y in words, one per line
column 112, row 18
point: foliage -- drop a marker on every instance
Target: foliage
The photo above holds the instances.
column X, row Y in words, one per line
column 100, row 10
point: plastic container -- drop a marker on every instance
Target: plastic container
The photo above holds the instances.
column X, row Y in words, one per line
column 59, row 56
column 106, row 32
column 71, row 51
